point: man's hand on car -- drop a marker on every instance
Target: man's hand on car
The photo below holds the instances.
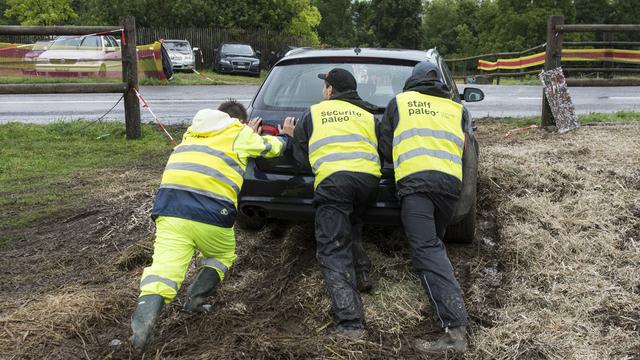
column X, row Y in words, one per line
column 254, row 124
column 288, row 126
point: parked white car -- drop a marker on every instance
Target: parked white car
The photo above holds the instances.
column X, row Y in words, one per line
column 181, row 54
column 91, row 55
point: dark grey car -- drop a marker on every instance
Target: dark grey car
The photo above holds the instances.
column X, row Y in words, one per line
column 278, row 188
column 236, row 58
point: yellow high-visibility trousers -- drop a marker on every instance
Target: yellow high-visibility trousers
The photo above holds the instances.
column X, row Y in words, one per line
column 174, row 246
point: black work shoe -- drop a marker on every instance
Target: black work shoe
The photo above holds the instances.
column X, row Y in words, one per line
column 364, row 283
column 454, row 340
column 144, row 319
column 204, row 286
column 353, row 333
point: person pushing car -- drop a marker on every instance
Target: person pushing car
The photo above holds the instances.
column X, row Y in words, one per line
column 421, row 134
column 195, row 208
column 337, row 139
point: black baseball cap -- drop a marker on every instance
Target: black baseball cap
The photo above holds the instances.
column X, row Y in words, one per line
column 340, row 79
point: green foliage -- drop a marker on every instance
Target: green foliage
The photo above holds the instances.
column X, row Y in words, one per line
column 363, row 17
column 40, row 12
column 397, row 23
column 336, row 27
column 304, row 22
column 295, row 17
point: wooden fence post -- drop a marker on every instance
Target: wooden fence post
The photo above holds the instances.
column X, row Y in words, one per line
column 130, row 77
column 551, row 61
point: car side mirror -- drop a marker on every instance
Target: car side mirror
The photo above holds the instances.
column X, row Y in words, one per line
column 258, row 53
column 472, row 95
column 195, row 49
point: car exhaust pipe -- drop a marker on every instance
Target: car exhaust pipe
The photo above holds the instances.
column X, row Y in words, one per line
column 254, row 211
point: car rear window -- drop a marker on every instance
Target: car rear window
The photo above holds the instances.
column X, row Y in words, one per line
column 296, row 86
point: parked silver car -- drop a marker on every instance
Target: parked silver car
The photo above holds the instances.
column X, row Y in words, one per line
column 181, row 54
column 91, row 55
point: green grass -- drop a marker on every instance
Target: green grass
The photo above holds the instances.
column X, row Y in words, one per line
column 180, row 78
column 617, row 117
column 42, row 166
column 188, row 78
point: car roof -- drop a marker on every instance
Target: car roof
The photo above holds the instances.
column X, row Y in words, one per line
column 392, row 54
column 166, row 40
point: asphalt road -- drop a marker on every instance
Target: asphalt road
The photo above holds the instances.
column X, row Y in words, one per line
column 177, row 104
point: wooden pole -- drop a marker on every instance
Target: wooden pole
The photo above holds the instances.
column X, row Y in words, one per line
column 551, row 61
column 130, row 77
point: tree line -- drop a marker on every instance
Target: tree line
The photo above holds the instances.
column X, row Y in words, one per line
column 455, row 27
column 465, row 27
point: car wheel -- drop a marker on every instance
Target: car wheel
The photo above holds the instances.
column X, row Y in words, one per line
column 463, row 231
column 245, row 222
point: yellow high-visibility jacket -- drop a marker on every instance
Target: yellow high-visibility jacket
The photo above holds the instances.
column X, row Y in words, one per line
column 428, row 136
column 204, row 174
column 343, row 139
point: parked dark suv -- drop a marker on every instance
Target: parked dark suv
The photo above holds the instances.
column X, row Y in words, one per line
column 277, row 188
column 236, row 58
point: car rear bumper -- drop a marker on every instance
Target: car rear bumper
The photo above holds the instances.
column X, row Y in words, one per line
column 285, row 196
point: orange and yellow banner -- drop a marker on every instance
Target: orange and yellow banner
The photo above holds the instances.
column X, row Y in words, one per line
column 616, row 55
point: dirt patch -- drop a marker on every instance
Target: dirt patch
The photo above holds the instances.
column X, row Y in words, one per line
column 553, row 273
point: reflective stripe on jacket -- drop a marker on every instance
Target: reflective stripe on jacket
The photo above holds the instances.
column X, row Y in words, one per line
column 204, row 174
column 343, row 139
column 429, row 135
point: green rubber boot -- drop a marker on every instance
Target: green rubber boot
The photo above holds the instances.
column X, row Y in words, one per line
column 204, row 286
column 453, row 340
column 144, row 319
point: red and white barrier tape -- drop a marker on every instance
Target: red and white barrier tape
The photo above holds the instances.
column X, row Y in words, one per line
column 202, row 76
column 145, row 105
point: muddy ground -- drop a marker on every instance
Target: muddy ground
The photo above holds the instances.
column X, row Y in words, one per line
column 553, row 273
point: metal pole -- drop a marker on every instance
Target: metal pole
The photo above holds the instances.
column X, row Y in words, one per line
column 551, row 61
column 130, row 77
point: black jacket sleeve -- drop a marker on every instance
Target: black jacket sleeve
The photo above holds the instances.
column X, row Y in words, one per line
column 387, row 127
column 301, row 135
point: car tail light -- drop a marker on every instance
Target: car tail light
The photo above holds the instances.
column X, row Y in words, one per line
column 270, row 130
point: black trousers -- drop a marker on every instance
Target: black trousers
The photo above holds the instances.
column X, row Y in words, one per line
column 340, row 201
column 425, row 218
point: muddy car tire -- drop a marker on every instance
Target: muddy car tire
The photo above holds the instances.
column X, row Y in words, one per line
column 463, row 231
column 245, row 222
